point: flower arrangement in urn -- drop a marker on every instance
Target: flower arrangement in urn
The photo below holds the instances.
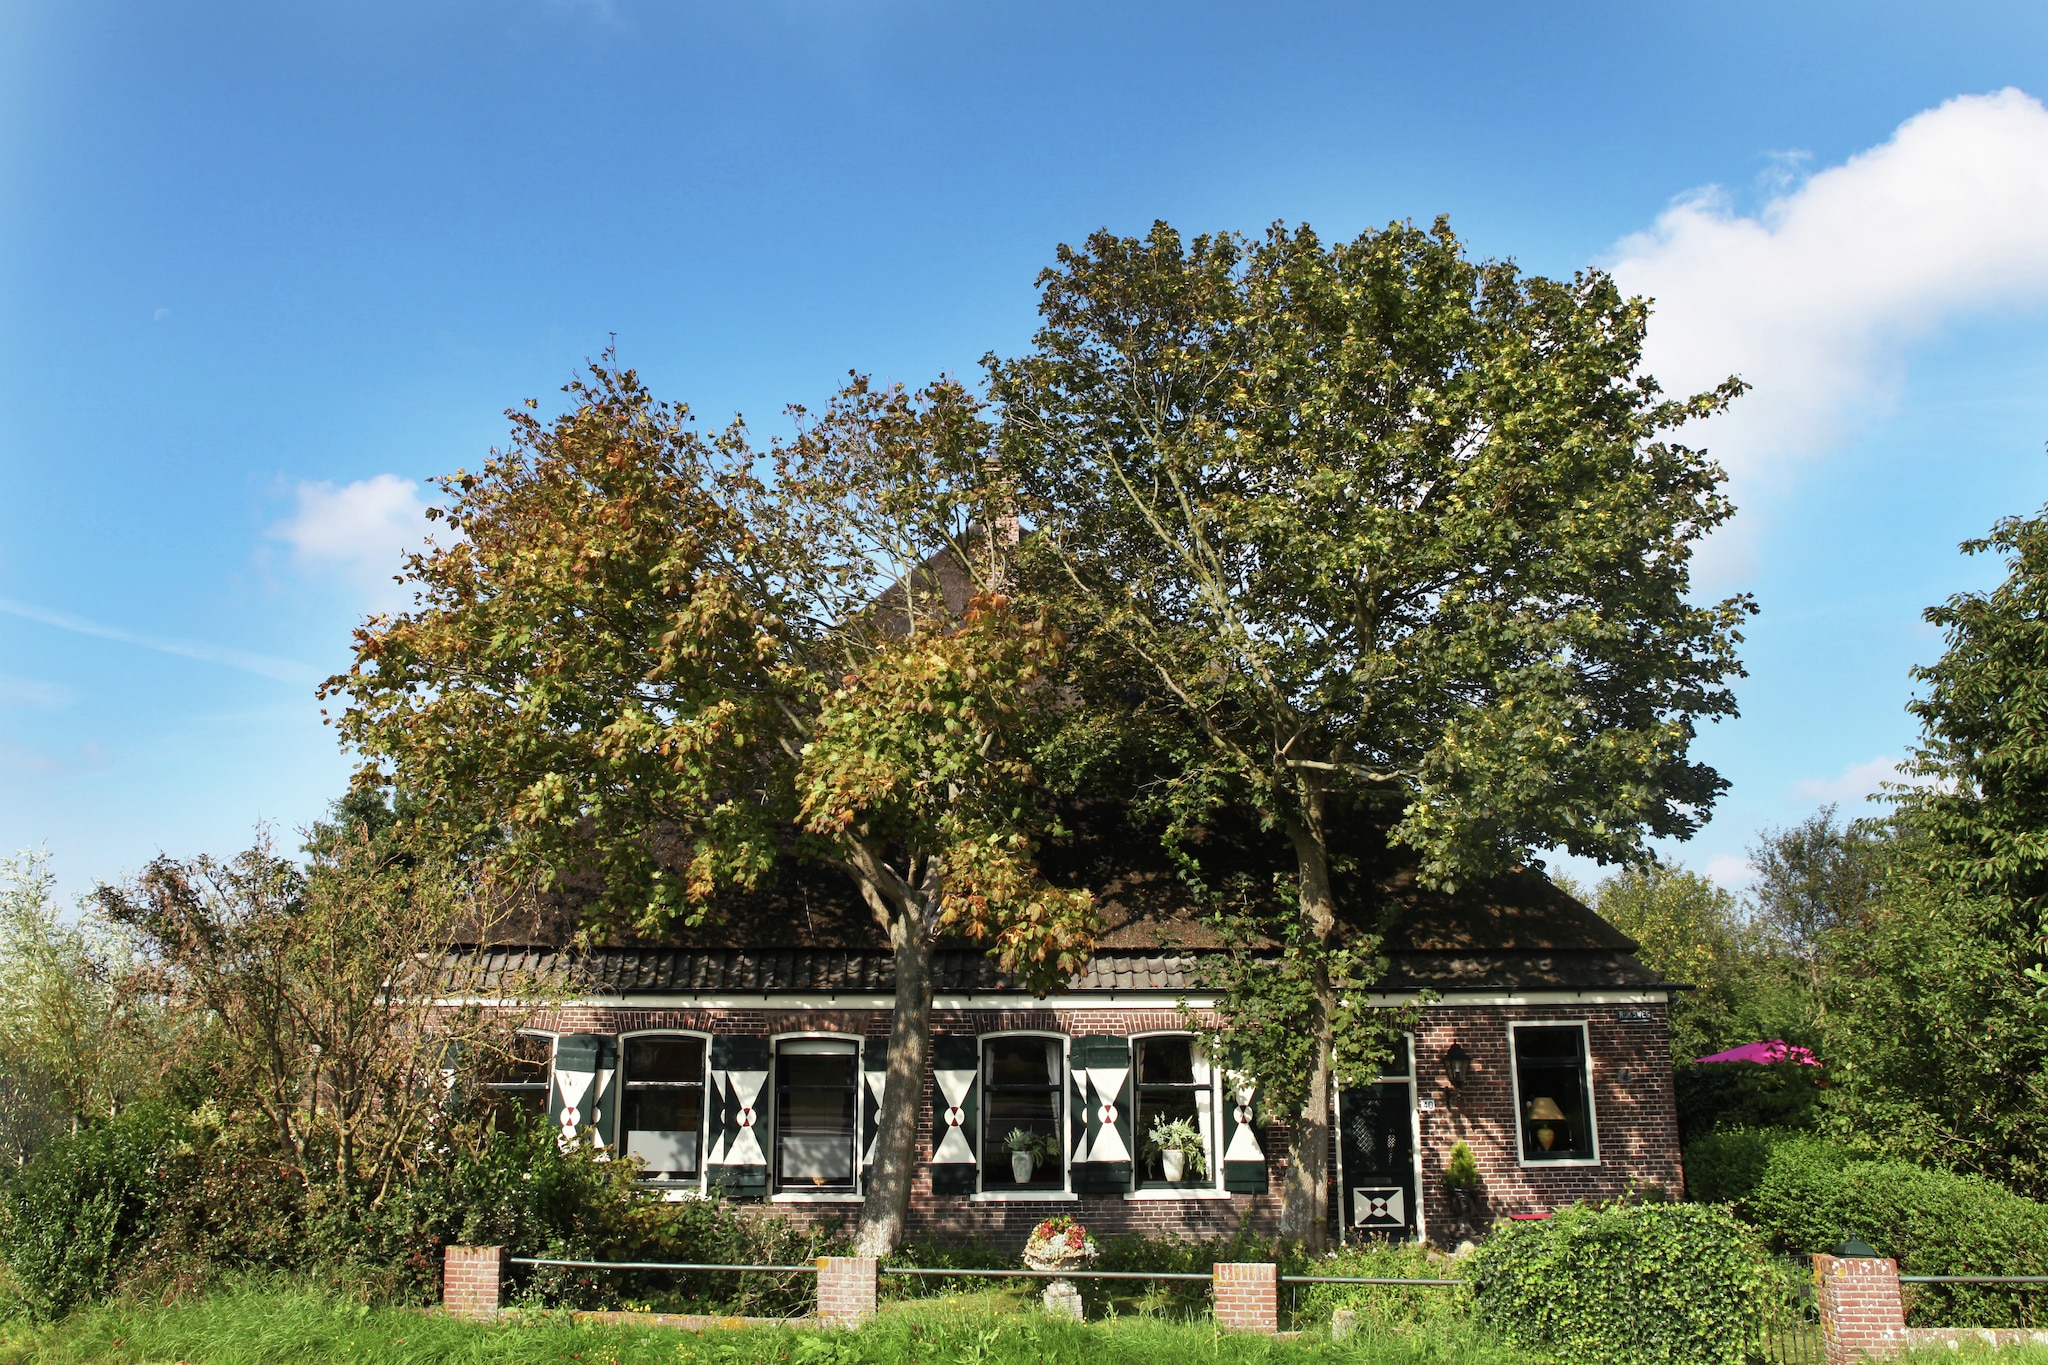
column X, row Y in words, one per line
column 1060, row 1244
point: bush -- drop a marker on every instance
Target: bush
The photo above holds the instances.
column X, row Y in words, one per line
column 1814, row 1195
column 1430, row 1310
column 1674, row 1284
column 84, row 1206
column 1726, row 1165
column 1722, row 1095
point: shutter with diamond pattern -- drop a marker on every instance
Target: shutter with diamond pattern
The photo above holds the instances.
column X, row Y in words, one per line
column 956, row 1077
column 737, row 1092
column 583, row 1089
column 874, row 1074
column 1244, row 1160
column 1103, row 1087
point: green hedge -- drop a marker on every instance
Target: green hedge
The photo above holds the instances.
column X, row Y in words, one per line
column 1814, row 1194
column 1626, row 1284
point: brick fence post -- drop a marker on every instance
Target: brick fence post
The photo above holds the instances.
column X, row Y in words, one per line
column 1247, row 1295
column 1861, row 1313
column 846, row 1290
column 473, row 1281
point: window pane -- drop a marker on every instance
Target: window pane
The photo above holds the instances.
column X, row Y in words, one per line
column 664, row 1058
column 1550, row 1073
column 1398, row 1063
column 814, row 1120
column 1020, row 1107
column 1166, row 1061
column 1156, row 1107
column 1021, row 1061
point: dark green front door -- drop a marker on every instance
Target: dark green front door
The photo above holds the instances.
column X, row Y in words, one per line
column 1376, row 1135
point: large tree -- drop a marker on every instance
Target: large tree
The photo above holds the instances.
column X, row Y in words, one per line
column 1401, row 543
column 1938, row 989
column 672, row 662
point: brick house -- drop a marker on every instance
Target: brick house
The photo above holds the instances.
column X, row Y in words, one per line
column 745, row 1057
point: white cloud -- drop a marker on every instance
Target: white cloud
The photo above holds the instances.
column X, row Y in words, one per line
column 1852, row 784
column 43, row 696
column 1814, row 299
column 1730, row 871
column 357, row 533
column 269, row 666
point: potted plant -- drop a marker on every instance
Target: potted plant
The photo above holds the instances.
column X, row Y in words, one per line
column 1461, row 1180
column 1180, row 1149
column 1028, row 1150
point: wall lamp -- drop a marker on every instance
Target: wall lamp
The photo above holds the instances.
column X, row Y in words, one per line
column 1459, row 1063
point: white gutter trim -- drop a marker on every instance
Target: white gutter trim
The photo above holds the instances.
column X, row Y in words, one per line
column 1135, row 999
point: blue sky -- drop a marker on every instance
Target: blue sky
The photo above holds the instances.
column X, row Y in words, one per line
column 265, row 268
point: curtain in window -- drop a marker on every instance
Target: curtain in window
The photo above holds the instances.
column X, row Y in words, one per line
column 816, row 1106
column 662, row 1105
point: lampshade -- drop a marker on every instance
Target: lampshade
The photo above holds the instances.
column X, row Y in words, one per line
column 1546, row 1109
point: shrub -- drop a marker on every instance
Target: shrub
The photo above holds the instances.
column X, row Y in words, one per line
column 1814, row 1194
column 1673, row 1284
column 1722, row 1095
column 85, row 1205
column 1429, row 1310
column 1726, row 1165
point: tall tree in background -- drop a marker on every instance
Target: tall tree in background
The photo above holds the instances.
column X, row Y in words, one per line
column 1399, row 541
column 1937, row 1022
column 1744, row 983
column 670, row 660
column 1815, row 881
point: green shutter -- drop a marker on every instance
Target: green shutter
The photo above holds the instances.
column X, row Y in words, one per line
column 1104, row 1085
column 737, row 1091
column 874, row 1073
column 583, row 1089
column 1244, row 1160
column 956, row 1114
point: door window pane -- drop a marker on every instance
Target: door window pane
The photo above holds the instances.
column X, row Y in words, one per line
column 1551, row 1082
column 1169, row 1092
column 815, row 1115
column 1020, row 1106
column 664, row 1104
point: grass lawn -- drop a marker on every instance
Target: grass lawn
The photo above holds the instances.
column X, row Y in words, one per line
column 254, row 1326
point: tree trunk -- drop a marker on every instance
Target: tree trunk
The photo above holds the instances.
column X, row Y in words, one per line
column 887, row 1205
column 1305, row 1198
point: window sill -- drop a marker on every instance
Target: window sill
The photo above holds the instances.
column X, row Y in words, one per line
column 1025, row 1197
column 1529, row 1165
column 835, row 1197
column 1190, row 1193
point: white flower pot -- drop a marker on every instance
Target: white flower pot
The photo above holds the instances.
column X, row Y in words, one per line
column 1172, row 1162
column 1020, row 1166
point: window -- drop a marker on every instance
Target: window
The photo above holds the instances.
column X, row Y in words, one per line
column 815, row 1114
column 1173, row 1088
column 664, row 1103
column 1020, row 1107
column 1552, row 1093
column 517, row 1080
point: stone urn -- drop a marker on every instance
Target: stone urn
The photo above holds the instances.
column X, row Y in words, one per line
column 1061, row 1244
column 1173, row 1163
column 1021, row 1164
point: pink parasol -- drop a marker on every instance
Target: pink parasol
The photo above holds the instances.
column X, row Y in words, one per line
column 1765, row 1054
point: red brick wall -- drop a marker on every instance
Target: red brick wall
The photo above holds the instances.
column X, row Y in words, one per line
column 472, row 1280
column 846, row 1290
column 1861, row 1312
column 1636, row 1116
column 1247, row 1296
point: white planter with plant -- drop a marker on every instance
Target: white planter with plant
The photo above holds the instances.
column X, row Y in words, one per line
column 1028, row 1150
column 1178, row 1145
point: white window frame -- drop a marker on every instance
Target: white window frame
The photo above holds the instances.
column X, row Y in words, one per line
column 703, row 1109
column 776, row 1194
column 1214, row 1189
column 1585, row 1075
column 1062, row 1099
